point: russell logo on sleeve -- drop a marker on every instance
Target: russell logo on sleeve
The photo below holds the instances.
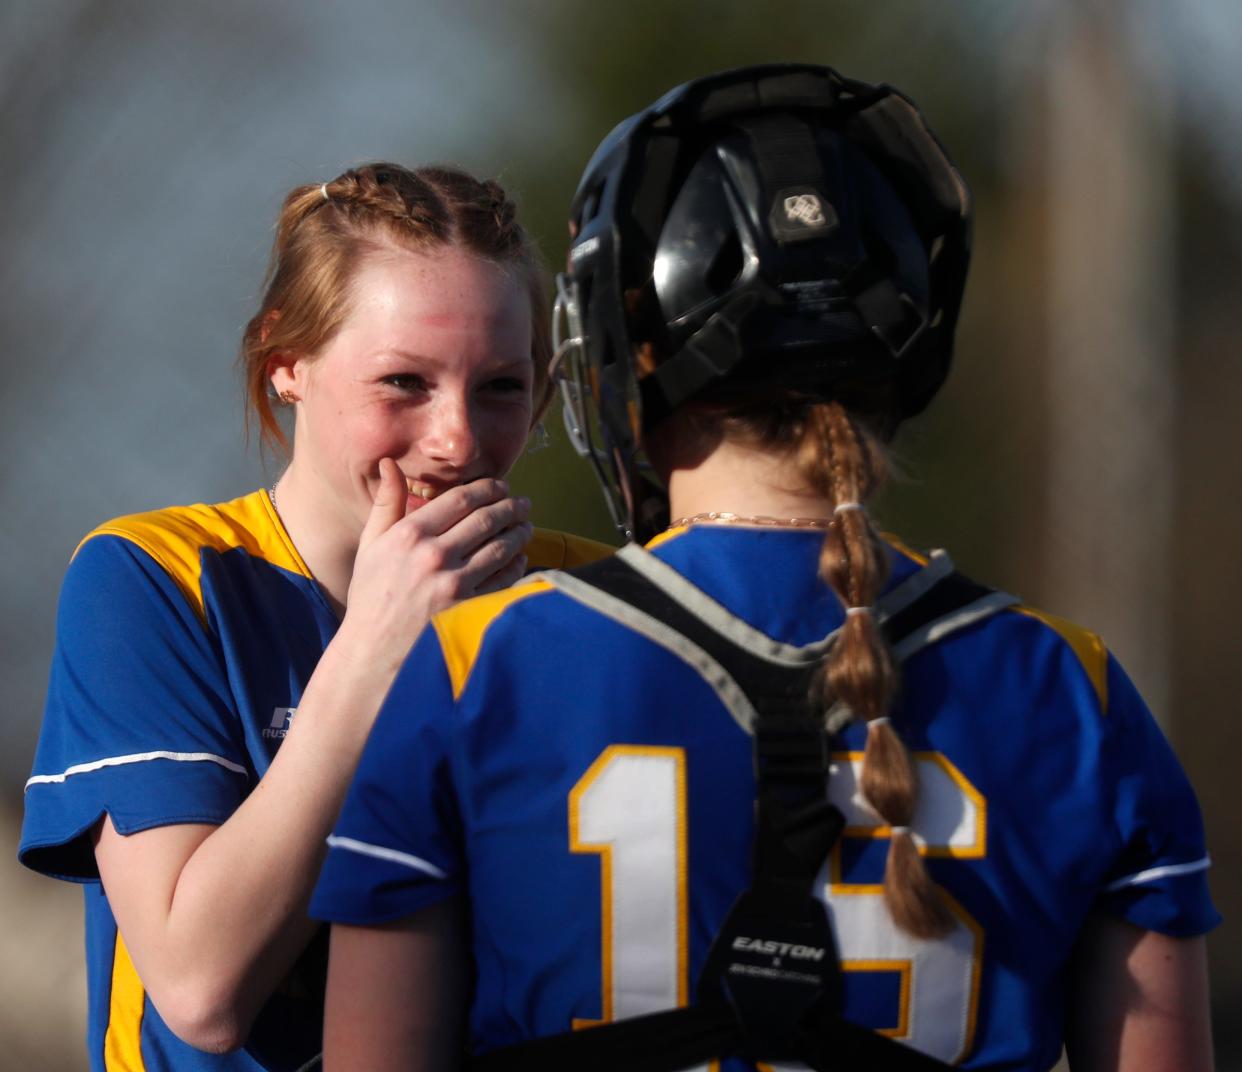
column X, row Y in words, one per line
column 281, row 719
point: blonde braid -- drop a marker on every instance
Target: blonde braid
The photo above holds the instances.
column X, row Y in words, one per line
column 839, row 461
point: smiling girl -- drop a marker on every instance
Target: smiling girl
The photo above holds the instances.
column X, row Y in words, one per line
column 218, row 667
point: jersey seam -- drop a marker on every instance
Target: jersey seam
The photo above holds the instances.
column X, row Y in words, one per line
column 278, row 526
column 1098, row 689
column 197, row 603
column 454, row 648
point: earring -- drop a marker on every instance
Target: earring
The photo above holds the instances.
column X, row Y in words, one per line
column 287, row 398
column 539, row 439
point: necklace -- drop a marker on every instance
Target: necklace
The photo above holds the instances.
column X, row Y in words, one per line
column 271, row 494
column 723, row 517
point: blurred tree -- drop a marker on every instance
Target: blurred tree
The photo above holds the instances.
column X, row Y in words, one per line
column 605, row 62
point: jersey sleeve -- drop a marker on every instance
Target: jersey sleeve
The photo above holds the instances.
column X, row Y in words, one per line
column 1159, row 879
column 397, row 846
column 139, row 721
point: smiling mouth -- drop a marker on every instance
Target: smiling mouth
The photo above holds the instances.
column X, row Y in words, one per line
column 422, row 491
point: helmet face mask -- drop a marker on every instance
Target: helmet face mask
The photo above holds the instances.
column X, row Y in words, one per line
column 778, row 226
column 570, row 369
column 601, row 423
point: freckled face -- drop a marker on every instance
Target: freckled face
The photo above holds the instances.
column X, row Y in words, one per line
column 431, row 368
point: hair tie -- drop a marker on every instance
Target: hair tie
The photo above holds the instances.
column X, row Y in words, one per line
column 841, row 508
column 851, row 611
column 893, row 831
column 323, row 189
column 879, row 720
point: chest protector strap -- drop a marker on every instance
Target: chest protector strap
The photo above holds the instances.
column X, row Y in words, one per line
column 771, row 987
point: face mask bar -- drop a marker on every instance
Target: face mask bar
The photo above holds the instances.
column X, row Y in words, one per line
column 567, row 344
column 568, row 370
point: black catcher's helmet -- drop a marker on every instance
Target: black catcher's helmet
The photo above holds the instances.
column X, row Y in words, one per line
column 777, row 225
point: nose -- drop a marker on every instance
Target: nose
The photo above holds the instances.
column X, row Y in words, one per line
column 450, row 436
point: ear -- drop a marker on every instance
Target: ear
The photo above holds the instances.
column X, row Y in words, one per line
column 286, row 371
column 282, row 369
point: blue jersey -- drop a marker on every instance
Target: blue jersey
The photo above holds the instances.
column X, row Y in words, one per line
column 589, row 793
column 184, row 640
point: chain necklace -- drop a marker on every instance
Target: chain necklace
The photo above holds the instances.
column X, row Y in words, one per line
column 723, row 517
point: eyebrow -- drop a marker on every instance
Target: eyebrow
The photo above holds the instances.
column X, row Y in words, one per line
column 500, row 364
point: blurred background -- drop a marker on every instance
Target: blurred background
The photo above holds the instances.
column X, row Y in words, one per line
column 1083, row 455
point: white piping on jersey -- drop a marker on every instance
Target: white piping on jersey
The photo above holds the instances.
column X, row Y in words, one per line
column 379, row 852
column 702, row 606
column 136, row 757
column 1154, row 873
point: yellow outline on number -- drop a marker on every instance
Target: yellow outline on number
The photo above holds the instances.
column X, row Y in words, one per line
column 604, row 851
column 906, row 969
column 977, row 850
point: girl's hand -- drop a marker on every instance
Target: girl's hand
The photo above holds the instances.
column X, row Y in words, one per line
column 465, row 542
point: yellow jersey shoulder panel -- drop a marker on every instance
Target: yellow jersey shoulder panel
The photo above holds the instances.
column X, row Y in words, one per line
column 549, row 549
column 1089, row 648
column 176, row 536
column 663, row 537
column 461, row 628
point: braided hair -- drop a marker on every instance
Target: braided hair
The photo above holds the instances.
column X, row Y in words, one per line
column 840, row 457
column 323, row 233
column 845, row 463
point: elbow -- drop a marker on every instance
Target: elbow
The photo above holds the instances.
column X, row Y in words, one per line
column 204, row 1017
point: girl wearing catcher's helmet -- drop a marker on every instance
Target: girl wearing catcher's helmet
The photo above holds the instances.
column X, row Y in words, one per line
column 601, row 794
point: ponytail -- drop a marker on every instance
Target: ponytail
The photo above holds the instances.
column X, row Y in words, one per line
column 842, row 462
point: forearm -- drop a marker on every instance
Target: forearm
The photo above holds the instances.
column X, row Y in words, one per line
column 397, row 995
column 214, row 916
column 212, row 927
column 1140, row 1002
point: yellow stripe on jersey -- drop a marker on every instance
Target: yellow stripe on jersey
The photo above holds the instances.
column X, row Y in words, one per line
column 549, row 549
column 122, row 1041
column 461, row 628
column 665, row 536
column 1086, row 645
column 896, row 543
column 175, row 538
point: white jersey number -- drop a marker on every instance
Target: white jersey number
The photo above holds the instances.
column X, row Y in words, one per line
column 629, row 808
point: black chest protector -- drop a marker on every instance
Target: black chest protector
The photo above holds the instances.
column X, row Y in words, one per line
column 771, row 987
